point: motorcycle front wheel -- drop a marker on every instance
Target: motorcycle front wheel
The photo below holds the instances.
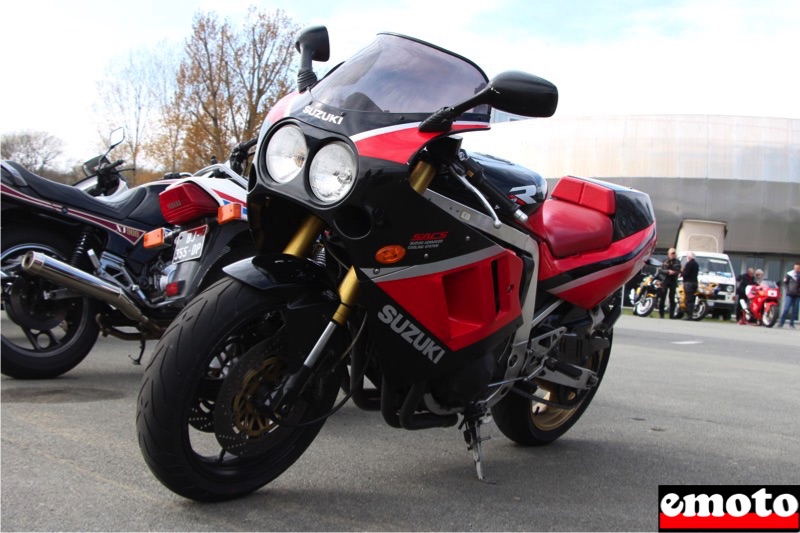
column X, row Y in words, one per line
column 200, row 421
column 770, row 316
column 46, row 330
column 644, row 306
column 532, row 423
column 700, row 309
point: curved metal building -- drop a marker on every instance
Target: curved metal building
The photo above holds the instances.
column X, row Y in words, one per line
column 744, row 171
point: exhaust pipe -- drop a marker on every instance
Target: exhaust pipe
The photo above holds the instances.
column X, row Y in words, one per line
column 68, row 276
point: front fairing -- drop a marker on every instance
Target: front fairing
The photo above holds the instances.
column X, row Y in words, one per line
column 375, row 102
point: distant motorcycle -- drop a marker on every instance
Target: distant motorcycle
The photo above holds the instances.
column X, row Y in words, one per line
column 645, row 296
column 763, row 303
column 702, row 294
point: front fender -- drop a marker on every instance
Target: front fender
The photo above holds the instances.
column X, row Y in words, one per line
column 310, row 294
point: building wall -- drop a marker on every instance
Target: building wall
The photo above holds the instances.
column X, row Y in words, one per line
column 744, row 171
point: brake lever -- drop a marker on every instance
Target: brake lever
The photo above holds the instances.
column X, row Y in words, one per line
column 458, row 172
column 474, row 173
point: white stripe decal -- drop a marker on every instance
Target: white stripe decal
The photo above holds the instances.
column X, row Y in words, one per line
column 594, row 276
column 394, row 274
column 400, row 127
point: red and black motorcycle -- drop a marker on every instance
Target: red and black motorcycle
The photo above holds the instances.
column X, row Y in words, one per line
column 763, row 304
column 449, row 281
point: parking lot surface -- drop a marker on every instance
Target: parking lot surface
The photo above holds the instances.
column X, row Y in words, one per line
column 681, row 403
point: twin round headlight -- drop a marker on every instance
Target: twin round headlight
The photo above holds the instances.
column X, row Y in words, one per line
column 332, row 171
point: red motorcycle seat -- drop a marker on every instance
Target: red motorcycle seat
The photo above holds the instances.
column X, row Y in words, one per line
column 571, row 229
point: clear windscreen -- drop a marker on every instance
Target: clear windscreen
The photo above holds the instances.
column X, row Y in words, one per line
column 396, row 74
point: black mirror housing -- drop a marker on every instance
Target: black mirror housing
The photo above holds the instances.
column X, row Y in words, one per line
column 522, row 94
column 314, row 45
column 514, row 92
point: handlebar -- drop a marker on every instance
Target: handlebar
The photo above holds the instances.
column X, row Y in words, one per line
column 470, row 170
column 111, row 166
column 240, row 154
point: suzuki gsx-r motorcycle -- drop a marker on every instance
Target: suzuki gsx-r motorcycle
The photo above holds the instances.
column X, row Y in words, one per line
column 393, row 267
column 74, row 262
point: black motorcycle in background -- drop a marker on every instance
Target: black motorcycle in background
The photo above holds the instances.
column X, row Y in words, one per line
column 74, row 264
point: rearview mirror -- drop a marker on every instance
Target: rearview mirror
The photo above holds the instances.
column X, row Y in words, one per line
column 313, row 45
column 521, row 94
column 513, row 92
column 115, row 138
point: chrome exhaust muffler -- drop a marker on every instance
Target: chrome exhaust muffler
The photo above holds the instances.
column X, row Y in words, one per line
column 72, row 278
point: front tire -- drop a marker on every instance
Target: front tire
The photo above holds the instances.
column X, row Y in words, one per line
column 201, row 389
column 770, row 316
column 531, row 423
column 645, row 306
column 700, row 309
column 42, row 337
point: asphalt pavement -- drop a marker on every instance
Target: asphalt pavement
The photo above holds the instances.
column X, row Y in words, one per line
column 681, row 403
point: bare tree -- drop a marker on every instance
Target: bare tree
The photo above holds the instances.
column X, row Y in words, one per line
column 229, row 80
column 164, row 146
column 126, row 99
column 34, row 150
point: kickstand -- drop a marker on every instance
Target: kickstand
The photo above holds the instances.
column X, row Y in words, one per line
column 138, row 360
column 472, row 435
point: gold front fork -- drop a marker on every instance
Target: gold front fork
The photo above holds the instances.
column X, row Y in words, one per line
column 305, row 236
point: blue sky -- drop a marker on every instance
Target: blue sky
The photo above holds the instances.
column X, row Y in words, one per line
column 732, row 57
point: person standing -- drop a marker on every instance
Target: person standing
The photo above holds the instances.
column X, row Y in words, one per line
column 670, row 270
column 689, row 273
column 791, row 287
column 746, row 279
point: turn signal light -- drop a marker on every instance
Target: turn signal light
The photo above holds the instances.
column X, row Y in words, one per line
column 390, row 254
column 229, row 213
column 154, row 238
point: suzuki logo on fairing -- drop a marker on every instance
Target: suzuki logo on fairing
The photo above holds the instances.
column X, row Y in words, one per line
column 411, row 333
column 322, row 115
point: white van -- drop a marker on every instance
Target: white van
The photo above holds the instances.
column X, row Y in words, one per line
column 717, row 268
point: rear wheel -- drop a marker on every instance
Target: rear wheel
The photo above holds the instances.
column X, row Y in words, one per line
column 532, row 423
column 46, row 331
column 202, row 428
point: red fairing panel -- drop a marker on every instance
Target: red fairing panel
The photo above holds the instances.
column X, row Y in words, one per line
column 462, row 306
column 399, row 143
column 589, row 278
column 279, row 110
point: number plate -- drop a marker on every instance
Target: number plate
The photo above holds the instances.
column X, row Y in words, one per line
column 189, row 244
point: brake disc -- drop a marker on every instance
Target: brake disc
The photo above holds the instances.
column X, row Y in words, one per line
column 241, row 425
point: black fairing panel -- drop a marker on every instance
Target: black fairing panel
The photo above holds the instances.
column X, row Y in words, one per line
column 526, row 187
column 634, row 213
